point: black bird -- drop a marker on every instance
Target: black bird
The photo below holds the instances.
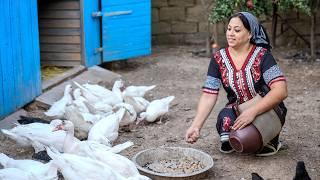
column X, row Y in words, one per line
column 301, row 172
column 255, row 176
column 29, row 120
column 42, row 156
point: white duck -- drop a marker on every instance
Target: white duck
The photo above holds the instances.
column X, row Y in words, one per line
column 58, row 108
column 97, row 151
column 37, row 135
column 16, row 174
column 156, row 109
column 118, row 163
column 74, row 167
column 73, row 145
column 79, row 101
column 89, row 96
column 137, row 91
column 139, row 103
column 38, row 169
column 105, row 131
column 116, row 89
column 103, row 94
column 100, row 107
column 82, row 125
column 130, row 115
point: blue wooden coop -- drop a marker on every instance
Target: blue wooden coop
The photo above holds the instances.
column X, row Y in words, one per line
column 65, row 33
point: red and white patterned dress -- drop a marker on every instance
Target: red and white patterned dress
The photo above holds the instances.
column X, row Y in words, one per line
column 259, row 69
column 256, row 75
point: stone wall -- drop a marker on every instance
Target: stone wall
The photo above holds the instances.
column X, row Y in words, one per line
column 179, row 21
column 186, row 22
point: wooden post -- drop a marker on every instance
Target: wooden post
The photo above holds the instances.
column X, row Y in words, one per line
column 274, row 23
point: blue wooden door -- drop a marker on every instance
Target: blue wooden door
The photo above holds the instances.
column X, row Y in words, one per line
column 126, row 28
column 20, row 80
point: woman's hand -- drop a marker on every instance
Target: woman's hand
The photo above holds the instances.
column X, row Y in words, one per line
column 192, row 134
column 245, row 118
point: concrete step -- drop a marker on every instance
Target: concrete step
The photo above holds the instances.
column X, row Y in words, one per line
column 94, row 75
column 8, row 122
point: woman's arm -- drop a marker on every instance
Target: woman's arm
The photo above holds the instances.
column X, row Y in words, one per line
column 205, row 106
column 275, row 96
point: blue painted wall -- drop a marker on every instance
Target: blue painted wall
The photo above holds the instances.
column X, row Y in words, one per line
column 126, row 28
column 20, row 79
column 91, row 33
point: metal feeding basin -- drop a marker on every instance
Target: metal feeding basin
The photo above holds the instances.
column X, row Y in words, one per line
column 173, row 163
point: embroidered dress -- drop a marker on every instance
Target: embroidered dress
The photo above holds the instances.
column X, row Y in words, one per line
column 259, row 68
column 256, row 75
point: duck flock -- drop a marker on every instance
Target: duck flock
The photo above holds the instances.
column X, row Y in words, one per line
column 80, row 140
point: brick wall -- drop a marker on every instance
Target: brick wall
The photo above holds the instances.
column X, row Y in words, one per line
column 185, row 22
column 179, row 21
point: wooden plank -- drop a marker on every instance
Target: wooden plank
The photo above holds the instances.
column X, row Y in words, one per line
column 118, row 42
column 93, row 75
column 36, row 50
column 91, row 33
column 125, row 2
column 69, row 23
column 8, row 66
column 122, row 55
column 83, row 52
column 3, row 56
column 3, row 53
column 11, row 120
column 133, row 10
column 61, row 63
column 61, row 56
column 126, row 22
column 75, row 14
column 18, row 69
column 63, row 5
column 60, row 48
column 60, row 32
column 60, row 39
column 50, row 83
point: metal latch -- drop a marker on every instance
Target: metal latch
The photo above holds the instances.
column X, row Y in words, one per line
column 98, row 50
column 109, row 14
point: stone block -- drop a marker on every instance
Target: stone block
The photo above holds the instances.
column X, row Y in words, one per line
column 182, row 27
column 196, row 14
column 159, row 3
column 222, row 26
column 168, row 39
column 172, row 13
column 196, row 38
column 155, row 15
column 181, row 3
column 205, row 2
column 161, row 28
column 203, row 27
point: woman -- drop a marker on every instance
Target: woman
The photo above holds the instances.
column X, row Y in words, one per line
column 245, row 68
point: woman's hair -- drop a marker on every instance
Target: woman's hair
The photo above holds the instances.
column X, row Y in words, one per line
column 246, row 24
column 243, row 20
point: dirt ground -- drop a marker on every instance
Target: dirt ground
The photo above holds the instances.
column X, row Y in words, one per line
column 176, row 71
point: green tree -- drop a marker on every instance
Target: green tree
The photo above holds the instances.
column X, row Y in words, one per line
column 223, row 9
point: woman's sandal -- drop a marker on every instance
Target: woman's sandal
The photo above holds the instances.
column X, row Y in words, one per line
column 269, row 150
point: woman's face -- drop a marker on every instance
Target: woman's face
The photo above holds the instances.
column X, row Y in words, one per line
column 237, row 35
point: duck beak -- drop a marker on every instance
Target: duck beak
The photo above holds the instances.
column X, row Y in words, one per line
column 58, row 127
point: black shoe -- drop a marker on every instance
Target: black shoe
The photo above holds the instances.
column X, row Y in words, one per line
column 269, row 149
column 226, row 147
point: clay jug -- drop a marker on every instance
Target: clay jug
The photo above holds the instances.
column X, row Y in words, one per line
column 256, row 135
